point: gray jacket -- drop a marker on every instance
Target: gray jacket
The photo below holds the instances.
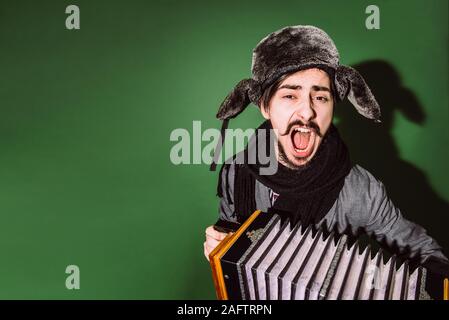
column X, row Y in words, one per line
column 362, row 203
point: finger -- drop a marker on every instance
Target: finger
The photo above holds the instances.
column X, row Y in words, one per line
column 209, row 238
column 206, row 251
column 209, row 249
column 221, row 235
column 212, row 242
column 211, row 232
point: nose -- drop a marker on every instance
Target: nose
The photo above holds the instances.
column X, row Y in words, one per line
column 305, row 111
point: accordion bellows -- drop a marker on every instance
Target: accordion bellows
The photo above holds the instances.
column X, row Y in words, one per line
column 266, row 259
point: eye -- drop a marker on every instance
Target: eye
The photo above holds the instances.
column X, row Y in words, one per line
column 322, row 99
column 289, row 96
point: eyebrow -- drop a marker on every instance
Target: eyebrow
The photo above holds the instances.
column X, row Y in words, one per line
column 296, row 87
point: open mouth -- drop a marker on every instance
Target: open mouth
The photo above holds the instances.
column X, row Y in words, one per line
column 303, row 139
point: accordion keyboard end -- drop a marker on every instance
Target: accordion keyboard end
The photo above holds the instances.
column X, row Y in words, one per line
column 219, row 251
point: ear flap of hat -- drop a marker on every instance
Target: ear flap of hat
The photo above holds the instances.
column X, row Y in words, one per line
column 245, row 92
column 238, row 99
column 349, row 83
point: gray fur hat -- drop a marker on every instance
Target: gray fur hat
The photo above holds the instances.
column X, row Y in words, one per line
column 292, row 49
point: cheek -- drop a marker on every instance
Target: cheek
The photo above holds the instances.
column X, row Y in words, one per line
column 279, row 115
column 324, row 116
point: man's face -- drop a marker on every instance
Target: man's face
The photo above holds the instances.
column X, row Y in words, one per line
column 301, row 110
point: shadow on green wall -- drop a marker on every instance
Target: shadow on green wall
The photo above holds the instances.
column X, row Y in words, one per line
column 373, row 147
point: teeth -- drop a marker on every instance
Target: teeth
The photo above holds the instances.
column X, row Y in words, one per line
column 302, row 129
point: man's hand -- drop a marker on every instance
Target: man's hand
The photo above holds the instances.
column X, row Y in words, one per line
column 213, row 238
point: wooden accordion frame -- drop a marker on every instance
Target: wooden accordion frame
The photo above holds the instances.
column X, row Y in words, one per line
column 266, row 259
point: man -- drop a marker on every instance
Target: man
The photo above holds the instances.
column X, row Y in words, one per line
column 297, row 79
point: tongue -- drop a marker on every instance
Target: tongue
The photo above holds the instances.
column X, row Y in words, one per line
column 301, row 140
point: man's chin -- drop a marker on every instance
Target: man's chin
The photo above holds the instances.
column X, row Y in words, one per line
column 293, row 162
column 298, row 162
column 293, row 159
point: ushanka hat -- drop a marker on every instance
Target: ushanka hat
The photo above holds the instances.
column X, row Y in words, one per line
column 289, row 50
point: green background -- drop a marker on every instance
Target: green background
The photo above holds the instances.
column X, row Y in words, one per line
column 86, row 115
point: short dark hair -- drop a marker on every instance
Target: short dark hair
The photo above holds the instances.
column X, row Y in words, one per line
column 270, row 91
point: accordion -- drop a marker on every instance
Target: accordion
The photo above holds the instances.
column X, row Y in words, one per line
column 267, row 259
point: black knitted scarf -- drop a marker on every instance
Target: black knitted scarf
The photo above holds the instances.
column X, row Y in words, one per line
column 305, row 194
